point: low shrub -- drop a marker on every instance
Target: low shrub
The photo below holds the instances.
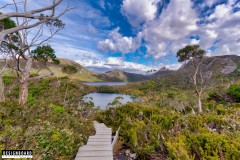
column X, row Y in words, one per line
column 69, row 69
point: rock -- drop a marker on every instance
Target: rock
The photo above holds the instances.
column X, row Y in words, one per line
column 133, row 155
column 127, row 152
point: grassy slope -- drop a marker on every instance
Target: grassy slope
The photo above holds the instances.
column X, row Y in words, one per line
column 83, row 74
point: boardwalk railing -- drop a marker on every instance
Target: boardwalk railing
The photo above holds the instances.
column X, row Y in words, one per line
column 115, row 137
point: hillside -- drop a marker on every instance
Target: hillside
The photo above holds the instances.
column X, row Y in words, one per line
column 119, row 76
column 79, row 73
column 220, row 66
column 226, row 65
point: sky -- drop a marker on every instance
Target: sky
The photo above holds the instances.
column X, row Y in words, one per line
column 140, row 35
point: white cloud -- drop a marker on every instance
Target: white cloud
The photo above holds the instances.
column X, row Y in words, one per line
column 194, row 41
column 119, row 43
column 176, row 22
column 112, row 63
column 162, row 34
column 139, row 11
column 210, row 2
column 221, row 11
column 174, row 66
column 225, row 29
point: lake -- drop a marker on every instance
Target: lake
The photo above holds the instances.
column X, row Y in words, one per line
column 102, row 100
column 105, row 83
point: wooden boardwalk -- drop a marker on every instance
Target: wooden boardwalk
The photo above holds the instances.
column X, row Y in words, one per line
column 99, row 146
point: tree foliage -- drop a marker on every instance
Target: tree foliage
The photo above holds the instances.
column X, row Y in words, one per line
column 44, row 54
column 190, row 52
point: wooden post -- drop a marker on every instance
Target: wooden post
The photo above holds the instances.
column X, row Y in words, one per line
column 115, row 137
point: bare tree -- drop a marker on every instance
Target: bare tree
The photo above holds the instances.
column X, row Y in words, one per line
column 30, row 18
column 201, row 78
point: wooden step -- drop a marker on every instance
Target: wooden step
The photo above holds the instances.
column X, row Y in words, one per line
column 96, row 147
column 93, row 153
column 102, row 136
column 94, row 143
column 95, row 158
column 99, row 140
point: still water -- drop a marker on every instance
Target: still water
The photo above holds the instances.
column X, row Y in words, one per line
column 103, row 100
column 105, row 83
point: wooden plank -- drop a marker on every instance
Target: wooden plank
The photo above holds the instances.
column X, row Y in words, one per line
column 93, row 153
column 103, row 131
column 99, row 134
column 95, row 158
column 100, row 143
column 96, row 148
column 99, row 140
column 102, row 136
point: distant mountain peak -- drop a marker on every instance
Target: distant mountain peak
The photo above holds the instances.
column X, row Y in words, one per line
column 164, row 69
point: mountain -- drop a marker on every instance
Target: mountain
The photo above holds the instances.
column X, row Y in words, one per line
column 74, row 70
column 121, row 76
column 223, row 66
column 162, row 71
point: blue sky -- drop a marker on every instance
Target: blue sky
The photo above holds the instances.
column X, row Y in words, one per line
column 139, row 35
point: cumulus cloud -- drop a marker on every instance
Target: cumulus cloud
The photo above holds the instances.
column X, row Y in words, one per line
column 139, row 11
column 119, row 43
column 223, row 33
column 176, row 22
column 111, row 63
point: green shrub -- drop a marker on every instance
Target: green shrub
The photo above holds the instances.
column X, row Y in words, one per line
column 31, row 100
column 105, row 89
column 8, row 79
column 69, row 69
column 234, row 92
column 57, row 108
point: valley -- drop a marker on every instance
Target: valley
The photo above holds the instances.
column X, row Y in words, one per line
column 159, row 126
column 120, row 80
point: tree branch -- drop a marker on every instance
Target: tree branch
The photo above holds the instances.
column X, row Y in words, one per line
column 30, row 14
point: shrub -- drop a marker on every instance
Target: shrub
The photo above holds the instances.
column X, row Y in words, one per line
column 8, row 79
column 234, row 92
column 57, row 108
column 69, row 69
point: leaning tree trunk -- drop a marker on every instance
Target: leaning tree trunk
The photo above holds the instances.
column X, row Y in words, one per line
column 23, row 95
column 2, row 97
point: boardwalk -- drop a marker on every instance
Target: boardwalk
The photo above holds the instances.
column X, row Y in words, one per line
column 99, row 146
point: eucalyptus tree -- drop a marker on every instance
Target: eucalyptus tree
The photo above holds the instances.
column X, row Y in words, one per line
column 193, row 56
column 30, row 47
column 25, row 47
